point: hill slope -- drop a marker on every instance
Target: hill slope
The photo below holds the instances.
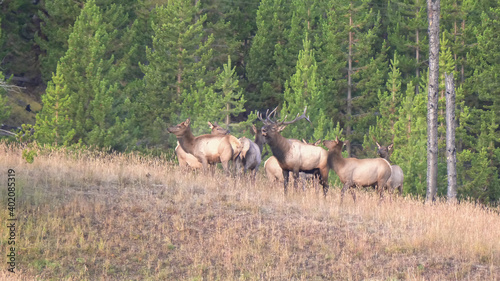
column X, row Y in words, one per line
column 88, row 216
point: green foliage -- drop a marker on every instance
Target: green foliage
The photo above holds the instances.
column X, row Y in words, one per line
column 29, row 155
column 178, row 63
column 4, row 107
column 478, row 180
column 215, row 103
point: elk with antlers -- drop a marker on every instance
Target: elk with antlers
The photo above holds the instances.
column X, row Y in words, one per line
column 293, row 155
column 357, row 172
column 397, row 176
column 275, row 173
column 208, row 149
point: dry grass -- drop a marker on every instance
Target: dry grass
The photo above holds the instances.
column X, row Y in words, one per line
column 123, row 217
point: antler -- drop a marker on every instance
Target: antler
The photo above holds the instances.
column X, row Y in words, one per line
column 268, row 120
column 375, row 140
column 303, row 116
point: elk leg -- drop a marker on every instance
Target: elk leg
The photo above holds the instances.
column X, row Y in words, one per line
column 295, row 179
column 323, row 179
column 285, row 179
column 225, row 166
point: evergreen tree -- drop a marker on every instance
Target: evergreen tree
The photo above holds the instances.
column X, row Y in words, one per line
column 304, row 89
column 410, row 140
column 53, row 124
column 216, row 103
column 58, row 17
column 407, row 35
column 89, row 76
column 4, row 108
column 272, row 21
column 177, row 60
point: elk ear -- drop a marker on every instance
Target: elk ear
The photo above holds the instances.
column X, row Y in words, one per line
column 378, row 145
column 254, row 129
column 187, row 122
column 210, row 125
column 390, row 146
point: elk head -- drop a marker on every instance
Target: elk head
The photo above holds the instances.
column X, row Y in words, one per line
column 272, row 128
column 383, row 151
column 217, row 130
column 180, row 129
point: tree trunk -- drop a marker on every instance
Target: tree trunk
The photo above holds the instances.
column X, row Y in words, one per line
column 349, row 86
column 433, row 11
column 451, row 154
column 417, row 52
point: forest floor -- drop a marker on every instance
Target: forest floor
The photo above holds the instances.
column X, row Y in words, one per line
column 92, row 216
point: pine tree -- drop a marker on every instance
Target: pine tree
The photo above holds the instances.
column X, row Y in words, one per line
column 216, row 103
column 407, row 35
column 273, row 17
column 89, row 76
column 410, row 139
column 365, row 60
column 177, row 60
column 53, row 124
column 303, row 89
column 58, row 17
column 389, row 102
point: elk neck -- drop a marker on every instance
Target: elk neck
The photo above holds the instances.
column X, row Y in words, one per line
column 279, row 146
column 335, row 159
column 259, row 140
column 187, row 141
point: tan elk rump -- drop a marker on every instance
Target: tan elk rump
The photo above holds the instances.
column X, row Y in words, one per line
column 357, row 172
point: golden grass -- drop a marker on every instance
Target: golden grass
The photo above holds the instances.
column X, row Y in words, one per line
column 91, row 216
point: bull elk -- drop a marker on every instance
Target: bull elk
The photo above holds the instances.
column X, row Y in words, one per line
column 360, row 172
column 188, row 159
column 275, row 173
column 397, row 176
column 293, row 155
column 251, row 153
column 208, row 149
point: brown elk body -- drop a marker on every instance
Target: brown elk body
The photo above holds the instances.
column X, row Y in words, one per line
column 360, row 172
column 397, row 176
column 275, row 173
column 189, row 160
column 208, row 149
column 293, row 155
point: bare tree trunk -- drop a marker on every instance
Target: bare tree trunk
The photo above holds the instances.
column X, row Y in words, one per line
column 433, row 11
column 451, row 154
column 349, row 86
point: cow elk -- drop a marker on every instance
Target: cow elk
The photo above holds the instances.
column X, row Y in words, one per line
column 357, row 172
column 188, row 159
column 397, row 176
column 293, row 155
column 251, row 153
column 208, row 149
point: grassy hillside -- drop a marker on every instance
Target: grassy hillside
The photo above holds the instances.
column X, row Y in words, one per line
column 87, row 216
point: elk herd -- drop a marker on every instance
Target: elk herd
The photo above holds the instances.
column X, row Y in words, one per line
column 300, row 158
